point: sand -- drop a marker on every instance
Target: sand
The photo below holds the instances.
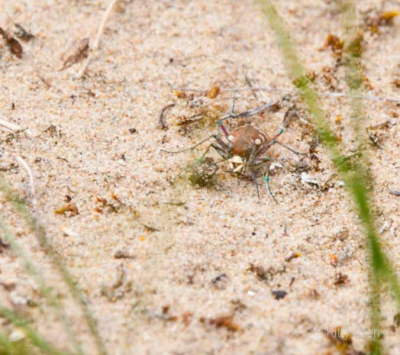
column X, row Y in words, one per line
column 173, row 268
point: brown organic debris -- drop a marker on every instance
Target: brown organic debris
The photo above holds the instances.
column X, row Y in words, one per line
column 105, row 206
column 75, row 53
column 213, row 92
column 180, row 94
column 70, row 210
column 264, row 274
column 335, row 44
column 166, row 314
column 292, row 256
column 224, row 321
column 23, row 34
column 161, row 122
column 382, row 19
column 123, row 254
column 14, row 46
column 3, row 246
column 342, row 342
column 341, row 279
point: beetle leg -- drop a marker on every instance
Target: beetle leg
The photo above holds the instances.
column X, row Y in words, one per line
column 288, row 117
column 253, row 154
column 221, row 151
column 267, row 181
column 289, row 148
column 260, row 162
column 253, row 177
column 221, row 143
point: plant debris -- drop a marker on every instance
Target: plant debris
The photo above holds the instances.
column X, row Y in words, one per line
column 123, row 254
column 335, row 44
column 293, row 256
column 14, row 46
column 3, row 246
column 341, row 279
column 23, row 34
column 75, row 53
column 213, row 92
column 225, row 321
column 69, row 210
column 266, row 275
column 161, row 123
column 375, row 21
column 166, row 314
column 105, row 206
column 342, row 342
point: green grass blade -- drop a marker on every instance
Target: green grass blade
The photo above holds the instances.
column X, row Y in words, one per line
column 44, row 289
column 31, row 334
column 6, row 346
column 354, row 79
column 354, row 174
column 21, row 206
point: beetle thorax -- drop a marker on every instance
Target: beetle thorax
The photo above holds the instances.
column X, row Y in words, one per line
column 244, row 138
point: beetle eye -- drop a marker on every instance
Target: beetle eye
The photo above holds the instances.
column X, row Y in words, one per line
column 231, row 138
column 258, row 142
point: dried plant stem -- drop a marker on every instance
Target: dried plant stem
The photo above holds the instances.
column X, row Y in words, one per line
column 13, row 128
column 97, row 39
column 31, row 184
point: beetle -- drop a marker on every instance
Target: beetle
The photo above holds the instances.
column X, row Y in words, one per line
column 245, row 145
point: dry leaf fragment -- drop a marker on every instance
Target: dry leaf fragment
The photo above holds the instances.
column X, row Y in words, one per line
column 383, row 19
column 179, row 94
column 14, row 46
column 23, row 34
column 335, row 43
column 225, row 321
column 69, row 209
column 75, row 53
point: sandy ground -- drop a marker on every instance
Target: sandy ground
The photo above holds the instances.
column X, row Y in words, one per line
column 199, row 264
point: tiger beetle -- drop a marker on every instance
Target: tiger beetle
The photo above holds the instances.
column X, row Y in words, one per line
column 246, row 144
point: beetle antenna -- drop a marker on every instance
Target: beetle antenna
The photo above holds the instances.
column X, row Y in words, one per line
column 291, row 149
column 190, row 148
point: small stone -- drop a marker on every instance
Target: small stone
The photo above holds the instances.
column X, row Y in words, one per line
column 16, row 335
column 279, row 294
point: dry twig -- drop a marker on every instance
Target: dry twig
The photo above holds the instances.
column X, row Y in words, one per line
column 161, row 123
column 13, row 128
column 31, row 185
column 97, row 40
